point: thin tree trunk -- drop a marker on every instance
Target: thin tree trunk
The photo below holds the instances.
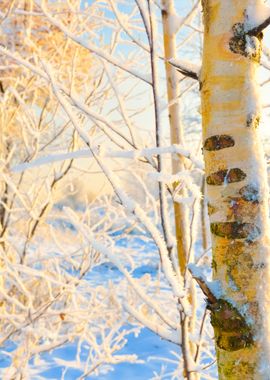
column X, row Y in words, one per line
column 175, row 125
column 180, row 212
column 237, row 189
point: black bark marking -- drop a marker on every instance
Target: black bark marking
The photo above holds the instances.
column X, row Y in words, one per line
column 250, row 193
column 244, row 44
column 214, row 265
column 236, row 230
column 238, row 42
column 218, row 142
column 225, row 176
column 253, row 121
column 231, row 329
column 259, row 266
column 241, row 209
column 164, row 13
column 225, row 316
column 234, row 342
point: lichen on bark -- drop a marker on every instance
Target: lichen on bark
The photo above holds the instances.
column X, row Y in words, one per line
column 236, row 230
column 231, row 329
column 253, row 121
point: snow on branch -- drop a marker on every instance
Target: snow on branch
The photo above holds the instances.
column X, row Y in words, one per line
column 257, row 20
column 144, row 17
column 129, row 203
column 75, row 102
column 164, row 333
column 205, row 286
column 127, row 154
column 124, row 25
column 15, row 56
column 98, row 246
column 189, row 17
column 258, row 29
column 96, row 116
column 99, row 52
column 170, row 178
column 186, row 68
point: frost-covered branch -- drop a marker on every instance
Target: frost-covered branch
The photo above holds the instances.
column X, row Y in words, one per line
column 127, row 154
column 83, row 102
column 200, row 279
column 94, row 49
column 165, row 222
column 257, row 30
column 164, row 333
column 135, row 286
column 186, row 68
column 127, row 202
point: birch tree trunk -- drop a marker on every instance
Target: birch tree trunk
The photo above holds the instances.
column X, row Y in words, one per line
column 169, row 38
column 237, row 189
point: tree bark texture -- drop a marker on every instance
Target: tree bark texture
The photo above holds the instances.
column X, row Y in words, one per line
column 237, row 189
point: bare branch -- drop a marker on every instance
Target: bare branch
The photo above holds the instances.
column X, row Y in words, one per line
column 259, row 29
column 185, row 70
column 201, row 281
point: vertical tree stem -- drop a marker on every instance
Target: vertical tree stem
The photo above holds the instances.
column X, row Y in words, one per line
column 237, row 189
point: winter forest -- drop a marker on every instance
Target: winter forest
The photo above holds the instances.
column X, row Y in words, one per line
column 134, row 218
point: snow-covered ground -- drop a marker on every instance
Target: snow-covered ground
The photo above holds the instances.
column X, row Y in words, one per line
column 158, row 358
column 147, row 346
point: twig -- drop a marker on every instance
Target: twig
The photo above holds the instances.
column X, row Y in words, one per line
column 161, row 187
column 185, row 71
column 258, row 29
column 202, row 284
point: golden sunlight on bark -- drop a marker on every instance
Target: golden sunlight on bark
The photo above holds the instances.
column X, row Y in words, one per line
column 237, row 188
column 181, row 225
column 175, row 125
